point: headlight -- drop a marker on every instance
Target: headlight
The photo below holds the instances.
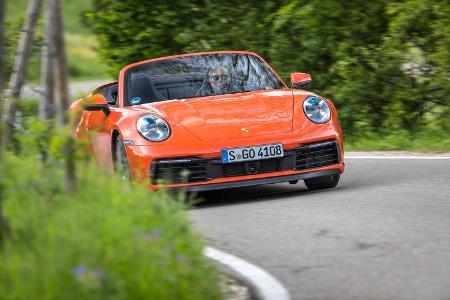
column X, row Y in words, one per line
column 316, row 109
column 153, row 128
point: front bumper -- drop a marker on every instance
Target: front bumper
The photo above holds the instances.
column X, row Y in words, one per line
column 260, row 181
column 291, row 167
column 196, row 169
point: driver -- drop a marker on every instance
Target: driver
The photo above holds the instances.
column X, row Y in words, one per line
column 218, row 82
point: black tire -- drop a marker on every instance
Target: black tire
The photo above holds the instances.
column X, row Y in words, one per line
column 322, row 182
column 121, row 165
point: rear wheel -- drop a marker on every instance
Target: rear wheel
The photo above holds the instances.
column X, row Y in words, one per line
column 121, row 165
column 322, row 182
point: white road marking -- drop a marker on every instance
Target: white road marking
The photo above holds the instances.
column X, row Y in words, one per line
column 396, row 157
column 264, row 285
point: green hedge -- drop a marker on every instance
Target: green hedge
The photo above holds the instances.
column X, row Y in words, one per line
column 385, row 64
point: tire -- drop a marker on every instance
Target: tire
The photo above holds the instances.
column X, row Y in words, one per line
column 322, row 182
column 121, row 165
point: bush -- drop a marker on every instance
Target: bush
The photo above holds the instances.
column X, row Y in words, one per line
column 107, row 240
column 383, row 63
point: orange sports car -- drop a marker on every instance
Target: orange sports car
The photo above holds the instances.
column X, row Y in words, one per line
column 212, row 120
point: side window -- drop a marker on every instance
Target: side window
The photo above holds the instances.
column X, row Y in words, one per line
column 110, row 93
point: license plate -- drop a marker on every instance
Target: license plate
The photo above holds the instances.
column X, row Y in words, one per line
column 252, row 153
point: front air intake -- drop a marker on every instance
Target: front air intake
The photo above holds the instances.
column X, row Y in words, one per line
column 316, row 155
column 183, row 170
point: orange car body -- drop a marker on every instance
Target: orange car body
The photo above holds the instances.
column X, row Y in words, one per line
column 202, row 127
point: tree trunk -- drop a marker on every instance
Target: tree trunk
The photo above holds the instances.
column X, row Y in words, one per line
column 63, row 93
column 20, row 64
column 4, row 227
column 47, row 109
column 61, row 63
column 47, row 104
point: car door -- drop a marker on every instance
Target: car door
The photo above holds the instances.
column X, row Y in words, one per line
column 98, row 128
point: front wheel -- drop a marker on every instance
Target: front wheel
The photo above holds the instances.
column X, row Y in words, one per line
column 121, row 165
column 322, row 182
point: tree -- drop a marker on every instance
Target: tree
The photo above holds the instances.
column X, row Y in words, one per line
column 404, row 77
column 4, row 228
column 155, row 27
column 55, row 81
column 383, row 63
column 420, row 35
column 61, row 76
column 61, row 71
column 47, row 105
column 134, row 30
column 20, row 64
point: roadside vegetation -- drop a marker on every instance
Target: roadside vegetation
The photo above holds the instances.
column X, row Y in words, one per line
column 84, row 62
column 105, row 239
column 428, row 141
column 71, row 231
column 384, row 63
column 67, row 229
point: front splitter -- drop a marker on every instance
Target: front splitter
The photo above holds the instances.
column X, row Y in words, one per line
column 259, row 181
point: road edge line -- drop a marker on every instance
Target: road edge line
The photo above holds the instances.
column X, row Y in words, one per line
column 263, row 285
column 397, row 157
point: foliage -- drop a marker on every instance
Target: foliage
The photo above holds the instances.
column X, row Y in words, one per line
column 384, row 63
column 83, row 61
column 107, row 240
column 405, row 78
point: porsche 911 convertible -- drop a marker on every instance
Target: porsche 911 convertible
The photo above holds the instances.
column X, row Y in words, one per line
column 212, row 120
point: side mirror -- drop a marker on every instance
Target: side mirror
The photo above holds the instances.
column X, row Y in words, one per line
column 97, row 103
column 300, row 80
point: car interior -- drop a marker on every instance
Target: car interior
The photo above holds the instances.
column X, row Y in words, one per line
column 156, row 88
column 110, row 92
column 163, row 87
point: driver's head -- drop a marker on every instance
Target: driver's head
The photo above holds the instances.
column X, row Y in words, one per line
column 219, row 78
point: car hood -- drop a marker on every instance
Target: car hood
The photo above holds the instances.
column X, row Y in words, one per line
column 229, row 116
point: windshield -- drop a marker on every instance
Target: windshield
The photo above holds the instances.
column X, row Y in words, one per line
column 197, row 76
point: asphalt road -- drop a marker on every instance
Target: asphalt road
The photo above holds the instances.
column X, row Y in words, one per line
column 382, row 233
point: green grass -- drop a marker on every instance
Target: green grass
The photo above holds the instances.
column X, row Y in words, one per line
column 83, row 60
column 72, row 9
column 427, row 141
column 108, row 240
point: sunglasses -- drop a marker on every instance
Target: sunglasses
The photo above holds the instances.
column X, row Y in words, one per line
column 218, row 77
